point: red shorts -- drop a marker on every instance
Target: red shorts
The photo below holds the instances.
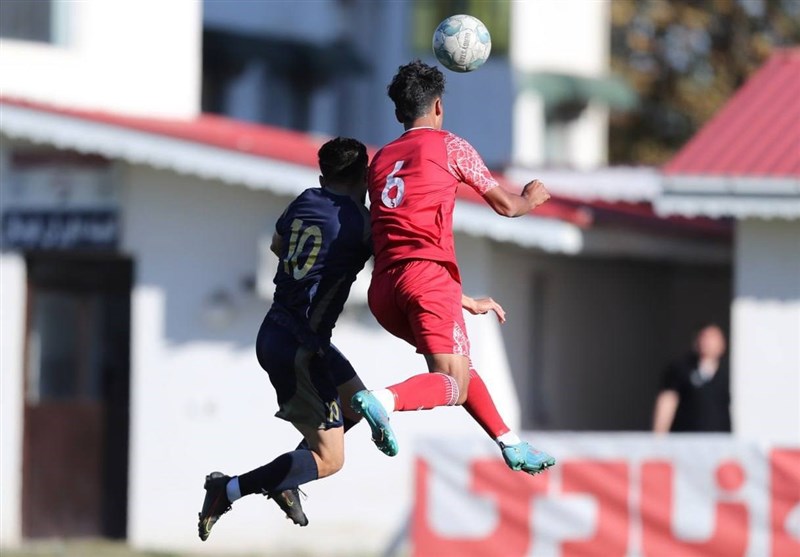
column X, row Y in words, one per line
column 420, row 302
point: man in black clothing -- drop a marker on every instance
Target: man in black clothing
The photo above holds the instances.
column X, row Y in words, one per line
column 695, row 392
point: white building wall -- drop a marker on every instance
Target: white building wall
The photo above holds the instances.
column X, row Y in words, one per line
column 563, row 36
column 13, row 296
column 485, row 332
column 766, row 331
column 140, row 57
column 198, row 387
column 12, row 338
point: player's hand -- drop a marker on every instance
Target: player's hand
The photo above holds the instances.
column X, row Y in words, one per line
column 535, row 193
column 480, row 306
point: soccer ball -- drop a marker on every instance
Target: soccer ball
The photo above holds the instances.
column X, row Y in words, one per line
column 462, row 43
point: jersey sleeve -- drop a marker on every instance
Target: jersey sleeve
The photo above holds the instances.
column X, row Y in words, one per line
column 467, row 166
column 283, row 224
column 280, row 225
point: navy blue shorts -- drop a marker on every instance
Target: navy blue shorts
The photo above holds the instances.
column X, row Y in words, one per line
column 305, row 381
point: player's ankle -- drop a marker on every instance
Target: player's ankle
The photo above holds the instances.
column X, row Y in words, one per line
column 508, row 438
column 232, row 489
column 386, row 398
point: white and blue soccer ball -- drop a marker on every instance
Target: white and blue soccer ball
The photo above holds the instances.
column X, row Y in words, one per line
column 462, row 43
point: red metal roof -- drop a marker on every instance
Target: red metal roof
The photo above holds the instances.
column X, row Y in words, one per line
column 301, row 148
column 756, row 133
column 226, row 133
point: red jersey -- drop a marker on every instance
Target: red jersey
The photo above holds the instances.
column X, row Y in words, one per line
column 412, row 191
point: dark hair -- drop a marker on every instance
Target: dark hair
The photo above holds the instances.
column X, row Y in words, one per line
column 342, row 159
column 703, row 325
column 414, row 88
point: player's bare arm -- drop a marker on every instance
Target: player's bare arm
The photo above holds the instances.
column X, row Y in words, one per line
column 512, row 205
column 664, row 411
column 480, row 306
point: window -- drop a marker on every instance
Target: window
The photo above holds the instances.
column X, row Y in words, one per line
column 427, row 15
column 33, row 20
column 63, row 348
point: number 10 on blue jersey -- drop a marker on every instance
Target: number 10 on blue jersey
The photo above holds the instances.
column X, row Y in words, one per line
column 299, row 246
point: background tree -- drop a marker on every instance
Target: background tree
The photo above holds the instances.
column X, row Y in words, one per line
column 685, row 58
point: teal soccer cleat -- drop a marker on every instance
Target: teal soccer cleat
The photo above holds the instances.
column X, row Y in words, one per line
column 365, row 403
column 524, row 457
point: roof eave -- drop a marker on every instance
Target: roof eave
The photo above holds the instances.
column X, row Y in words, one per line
column 761, row 197
column 756, row 186
column 158, row 151
column 609, row 184
column 738, row 206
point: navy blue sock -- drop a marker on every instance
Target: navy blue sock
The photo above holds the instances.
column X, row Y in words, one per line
column 348, row 423
column 288, row 470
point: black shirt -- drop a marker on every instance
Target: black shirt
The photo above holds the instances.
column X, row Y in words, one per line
column 704, row 403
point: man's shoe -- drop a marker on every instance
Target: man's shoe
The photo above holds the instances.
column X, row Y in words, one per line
column 289, row 502
column 215, row 504
column 524, row 457
column 365, row 403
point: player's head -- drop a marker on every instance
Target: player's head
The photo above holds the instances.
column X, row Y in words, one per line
column 710, row 341
column 343, row 164
column 417, row 91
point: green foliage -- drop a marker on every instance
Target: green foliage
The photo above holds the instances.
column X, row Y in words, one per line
column 685, row 58
column 427, row 14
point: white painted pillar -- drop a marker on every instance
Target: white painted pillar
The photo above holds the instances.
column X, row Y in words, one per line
column 12, row 350
column 765, row 339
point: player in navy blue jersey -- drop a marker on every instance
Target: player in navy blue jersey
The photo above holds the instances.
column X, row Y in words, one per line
column 323, row 241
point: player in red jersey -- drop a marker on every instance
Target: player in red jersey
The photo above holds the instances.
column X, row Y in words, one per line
column 415, row 292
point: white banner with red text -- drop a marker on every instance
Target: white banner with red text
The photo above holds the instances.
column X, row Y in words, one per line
column 609, row 495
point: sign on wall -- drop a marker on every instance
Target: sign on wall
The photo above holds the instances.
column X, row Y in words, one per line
column 610, row 496
column 55, row 200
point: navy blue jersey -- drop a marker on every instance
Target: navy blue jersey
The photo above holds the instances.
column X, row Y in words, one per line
column 326, row 241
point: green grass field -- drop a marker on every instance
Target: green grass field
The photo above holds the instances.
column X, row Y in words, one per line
column 98, row 548
column 84, row 548
column 104, row 548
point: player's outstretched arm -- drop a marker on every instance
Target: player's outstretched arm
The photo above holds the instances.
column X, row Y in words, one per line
column 512, row 205
column 479, row 306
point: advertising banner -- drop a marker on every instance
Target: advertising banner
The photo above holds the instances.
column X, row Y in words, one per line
column 614, row 495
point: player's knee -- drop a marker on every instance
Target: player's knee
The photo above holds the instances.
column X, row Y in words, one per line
column 330, row 464
column 463, row 387
column 456, row 385
column 337, row 463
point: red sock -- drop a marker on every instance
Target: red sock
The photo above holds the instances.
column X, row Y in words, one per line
column 425, row 391
column 481, row 407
